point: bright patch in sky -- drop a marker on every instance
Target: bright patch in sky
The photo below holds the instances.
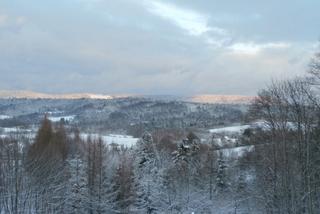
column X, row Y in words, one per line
column 194, row 23
column 254, row 48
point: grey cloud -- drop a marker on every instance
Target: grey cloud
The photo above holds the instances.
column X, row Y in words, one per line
column 121, row 46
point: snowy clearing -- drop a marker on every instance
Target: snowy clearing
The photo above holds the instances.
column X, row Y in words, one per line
column 240, row 129
column 59, row 118
column 121, row 140
column 3, row 117
column 14, row 129
column 230, row 129
column 225, row 140
column 236, row 152
column 264, row 125
column 11, row 129
column 8, row 131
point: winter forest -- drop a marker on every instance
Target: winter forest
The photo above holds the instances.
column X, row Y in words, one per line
column 173, row 168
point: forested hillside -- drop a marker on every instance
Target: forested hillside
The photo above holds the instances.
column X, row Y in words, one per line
column 264, row 158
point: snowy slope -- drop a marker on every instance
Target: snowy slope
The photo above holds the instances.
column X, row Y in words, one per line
column 59, row 118
column 3, row 117
column 121, row 140
column 230, row 129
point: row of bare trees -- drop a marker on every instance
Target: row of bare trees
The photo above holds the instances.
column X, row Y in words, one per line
column 289, row 151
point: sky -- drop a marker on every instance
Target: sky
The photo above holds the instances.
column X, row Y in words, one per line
column 155, row 47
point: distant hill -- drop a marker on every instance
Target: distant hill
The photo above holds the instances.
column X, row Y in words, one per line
column 36, row 95
column 229, row 99
column 208, row 98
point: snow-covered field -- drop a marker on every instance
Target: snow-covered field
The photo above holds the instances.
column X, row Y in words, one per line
column 14, row 130
column 121, row 140
column 266, row 126
column 3, row 117
column 230, row 129
column 227, row 139
column 240, row 128
column 8, row 131
column 236, row 152
column 59, row 118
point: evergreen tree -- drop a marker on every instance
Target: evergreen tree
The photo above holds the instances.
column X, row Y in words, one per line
column 146, row 172
column 124, row 186
column 77, row 192
column 221, row 179
column 46, row 165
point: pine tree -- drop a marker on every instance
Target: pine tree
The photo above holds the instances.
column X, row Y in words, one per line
column 146, row 171
column 145, row 153
column 77, row 192
column 221, row 180
column 124, row 186
column 186, row 165
column 46, row 165
column 187, row 149
column 45, row 132
column 42, row 140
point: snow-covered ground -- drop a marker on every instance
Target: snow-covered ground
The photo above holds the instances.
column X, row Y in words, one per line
column 266, row 126
column 14, row 130
column 225, row 141
column 121, row 140
column 59, row 118
column 230, row 129
column 240, row 128
column 3, row 117
column 54, row 112
column 236, row 152
column 8, row 131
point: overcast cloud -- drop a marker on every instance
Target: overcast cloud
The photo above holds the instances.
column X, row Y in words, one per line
column 154, row 46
